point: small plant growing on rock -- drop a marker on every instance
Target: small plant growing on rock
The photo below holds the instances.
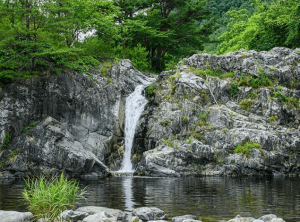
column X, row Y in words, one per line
column 165, row 122
column 245, row 104
column 272, row 68
column 185, row 119
column 224, row 130
column 189, row 140
column 233, row 89
column 178, row 75
column 246, row 148
column 207, row 63
column 109, row 80
column 252, row 95
column 6, row 141
column 151, row 90
column 197, row 136
column 14, row 153
column 273, row 118
column 198, row 166
column 244, row 54
column 103, row 71
column 29, row 126
column 279, row 88
column 2, row 164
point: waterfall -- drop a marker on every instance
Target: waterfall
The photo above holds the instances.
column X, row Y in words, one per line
column 135, row 104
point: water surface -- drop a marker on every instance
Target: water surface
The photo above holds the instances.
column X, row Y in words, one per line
column 214, row 197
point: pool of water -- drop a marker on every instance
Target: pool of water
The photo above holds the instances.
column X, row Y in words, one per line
column 212, row 197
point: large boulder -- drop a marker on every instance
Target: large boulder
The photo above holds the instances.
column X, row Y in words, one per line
column 73, row 216
column 14, row 216
column 100, row 217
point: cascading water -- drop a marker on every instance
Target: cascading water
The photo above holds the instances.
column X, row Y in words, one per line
column 135, row 104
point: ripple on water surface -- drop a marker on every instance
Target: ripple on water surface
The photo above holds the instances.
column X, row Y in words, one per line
column 214, row 197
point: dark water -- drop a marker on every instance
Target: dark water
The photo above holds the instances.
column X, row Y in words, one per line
column 214, row 197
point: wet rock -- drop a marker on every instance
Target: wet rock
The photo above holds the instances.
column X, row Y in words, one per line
column 149, row 213
column 270, row 218
column 74, row 216
column 120, row 215
column 14, row 216
column 185, row 217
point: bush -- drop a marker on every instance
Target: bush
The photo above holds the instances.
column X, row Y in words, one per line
column 246, row 148
column 48, row 196
column 245, row 104
column 151, row 90
column 233, row 89
column 6, row 141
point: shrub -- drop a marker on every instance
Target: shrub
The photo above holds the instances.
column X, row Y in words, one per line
column 246, row 148
column 185, row 119
column 245, row 104
column 151, row 90
column 233, row 90
column 2, row 164
column 14, row 153
column 48, row 196
column 103, row 71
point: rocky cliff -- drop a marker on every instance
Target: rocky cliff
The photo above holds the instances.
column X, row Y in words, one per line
column 236, row 114
column 68, row 121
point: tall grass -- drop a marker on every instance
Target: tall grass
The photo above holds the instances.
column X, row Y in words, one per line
column 48, row 196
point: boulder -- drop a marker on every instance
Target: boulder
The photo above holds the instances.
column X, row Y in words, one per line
column 149, row 213
column 74, row 216
column 100, row 217
column 14, row 216
column 268, row 217
column 120, row 215
column 185, row 217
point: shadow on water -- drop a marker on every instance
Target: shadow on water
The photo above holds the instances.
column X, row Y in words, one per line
column 213, row 198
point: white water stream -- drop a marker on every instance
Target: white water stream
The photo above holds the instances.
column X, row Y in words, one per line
column 135, row 104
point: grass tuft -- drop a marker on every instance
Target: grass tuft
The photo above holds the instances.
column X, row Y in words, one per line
column 246, row 148
column 48, row 196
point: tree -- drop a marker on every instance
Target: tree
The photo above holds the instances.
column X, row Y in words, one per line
column 167, row 29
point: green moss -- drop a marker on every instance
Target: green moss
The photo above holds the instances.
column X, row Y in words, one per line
column 246, row 148
column 245, row 104
column 2, row 164
column 244, row 54
column 109, row 80
column 103, row 71
column 185, row 119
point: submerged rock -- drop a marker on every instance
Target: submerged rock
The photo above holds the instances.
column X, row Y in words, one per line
column 14, row 216
column 149, row 213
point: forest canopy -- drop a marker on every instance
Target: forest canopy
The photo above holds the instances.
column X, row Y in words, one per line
column 44, row 36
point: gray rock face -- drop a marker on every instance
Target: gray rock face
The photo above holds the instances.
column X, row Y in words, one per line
column 78, row 114
column 13, row 216
column 120, row 215
column 185, row 217
column 149, row 213
column 193, row 125
column 74, row 216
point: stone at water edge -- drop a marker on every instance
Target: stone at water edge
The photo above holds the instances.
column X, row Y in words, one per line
column 100, row 217
column 190, row 220
column 74, row 216
column 149, row 213
column 184, row 217
column 135, row 219
column 14, row 216
column 120, row 215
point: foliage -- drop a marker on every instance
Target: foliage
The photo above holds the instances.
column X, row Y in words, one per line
column 14, row 153
column 273, row 23
column 293, row 102
column 6, row 141
column 273, row 118
column 246, row 148
column 184, row 119
column 189, row 140
column 151, row 90
column 165, row 122
column 48, row 196
column 245, row 104
column 167, row 29
column 211, row 72
column 2, row 164
column 233, row 90
column 255, row 82
column 29, row 126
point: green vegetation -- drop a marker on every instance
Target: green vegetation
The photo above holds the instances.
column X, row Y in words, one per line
column 189, row 140
column 151, row 90
column 6, row 141
column 245, row 104
column 29, row 126
column 252, row 95
column 2, row 164
column 292, row 102
column 109, row 80
column 14, row 153
column 261, row 81
column 273, row 118
column 211, row 72
column 184, row 119
column 233, row 89
column 246, row 148
column 165, row 122
column 48, row 196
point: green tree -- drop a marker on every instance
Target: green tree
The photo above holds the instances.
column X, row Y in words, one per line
column 167, row 29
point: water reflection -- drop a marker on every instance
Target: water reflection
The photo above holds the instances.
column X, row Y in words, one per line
column 127, row 188
column 216, row 197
